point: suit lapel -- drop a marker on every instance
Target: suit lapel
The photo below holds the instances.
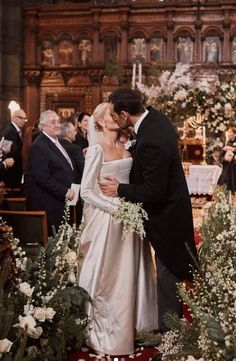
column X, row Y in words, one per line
column 57, row 151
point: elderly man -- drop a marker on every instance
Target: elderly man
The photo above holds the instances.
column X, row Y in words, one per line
column 13, row 177
column 67, row 137
column 49, row 172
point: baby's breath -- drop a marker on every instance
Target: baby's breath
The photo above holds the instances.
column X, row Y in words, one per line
column 132, row 215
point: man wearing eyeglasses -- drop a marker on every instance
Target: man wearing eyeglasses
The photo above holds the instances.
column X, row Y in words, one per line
column 13, row 177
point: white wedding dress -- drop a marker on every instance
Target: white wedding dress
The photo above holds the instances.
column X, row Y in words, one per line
column 117, row 271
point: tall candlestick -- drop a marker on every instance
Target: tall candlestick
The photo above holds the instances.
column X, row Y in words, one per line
column 204, row 135
column 140, row 73
column 133, row 75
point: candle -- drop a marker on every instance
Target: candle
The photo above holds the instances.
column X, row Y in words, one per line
column 140, row 73
column 133, row 75
column 204, row 135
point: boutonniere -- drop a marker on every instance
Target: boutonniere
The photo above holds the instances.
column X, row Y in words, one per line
column 130, row 145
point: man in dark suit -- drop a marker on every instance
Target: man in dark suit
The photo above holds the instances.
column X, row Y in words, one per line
column 157, row 180
column 13, row 177
column 67, row 137
column 49, row 172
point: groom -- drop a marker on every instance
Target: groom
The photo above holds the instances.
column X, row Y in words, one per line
column 157, row 180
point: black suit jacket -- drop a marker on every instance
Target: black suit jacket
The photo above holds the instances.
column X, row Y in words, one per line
column 157, row 180
column 76, row 154
column 47, row 179
column 13, row 176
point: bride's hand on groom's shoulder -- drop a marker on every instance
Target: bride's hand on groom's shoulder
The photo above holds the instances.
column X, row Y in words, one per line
column 109, row 186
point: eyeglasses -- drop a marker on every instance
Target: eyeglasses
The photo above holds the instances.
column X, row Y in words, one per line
column 21, row 117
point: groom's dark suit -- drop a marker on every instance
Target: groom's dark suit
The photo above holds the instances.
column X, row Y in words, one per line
column 157, row 180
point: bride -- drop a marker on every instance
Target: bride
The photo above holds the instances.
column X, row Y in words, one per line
column 117, row 271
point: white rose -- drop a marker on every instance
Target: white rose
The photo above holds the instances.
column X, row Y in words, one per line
column 26, row 322
column 26, row 289
column 5, row 345
column 35, row 332
column 39, row 314
column 191, row 358
column 71, row 257
column 72, row 277
column 49, row 313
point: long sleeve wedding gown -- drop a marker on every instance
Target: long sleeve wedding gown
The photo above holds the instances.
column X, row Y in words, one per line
column 117, row 271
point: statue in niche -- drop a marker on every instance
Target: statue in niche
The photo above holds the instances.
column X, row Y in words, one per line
column 47, row 53
column 65, row 52
column 85, row 49
column 233, row 51
column 184, row 50
column 156, row 49
column 212, row 47
column 138, row 50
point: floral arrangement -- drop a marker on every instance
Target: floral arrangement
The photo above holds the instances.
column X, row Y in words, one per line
column 202, row 102
column 132, row 215
column 41, row 305
column 212, row 298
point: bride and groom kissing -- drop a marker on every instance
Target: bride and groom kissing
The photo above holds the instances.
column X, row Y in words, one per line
column 118, row 272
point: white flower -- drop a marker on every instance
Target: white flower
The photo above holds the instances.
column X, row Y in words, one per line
column 26, row 289
column 49, row 313
column 27, row 322
column 70, row 257
column 72, row 277
column 5, row 345
column 132, row 215
column 39, row 314
column 191, row 358
column 228, row 106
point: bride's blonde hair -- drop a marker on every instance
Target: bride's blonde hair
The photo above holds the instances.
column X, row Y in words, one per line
column 98, row 114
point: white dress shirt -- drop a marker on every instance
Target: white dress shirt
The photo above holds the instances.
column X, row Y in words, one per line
column 138, row 123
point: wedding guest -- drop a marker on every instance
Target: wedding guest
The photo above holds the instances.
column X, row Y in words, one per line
column 67, row 137
column 81, row 119
column 49, row 172
column 14, row 133
column 228, row 156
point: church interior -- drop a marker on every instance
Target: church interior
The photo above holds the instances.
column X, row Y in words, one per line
column 68, row 56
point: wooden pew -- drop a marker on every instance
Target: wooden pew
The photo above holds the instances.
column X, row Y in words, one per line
column 14, row 204
column 30, row 227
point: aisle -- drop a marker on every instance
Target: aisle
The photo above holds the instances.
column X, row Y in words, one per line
column 141, row 354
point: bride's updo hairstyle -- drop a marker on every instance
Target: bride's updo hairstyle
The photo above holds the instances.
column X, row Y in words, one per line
column 98, row 115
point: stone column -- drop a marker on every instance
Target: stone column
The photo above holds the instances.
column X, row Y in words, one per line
column 226, row 56
column 96, row 45
column 170, row 25
column 198, row 44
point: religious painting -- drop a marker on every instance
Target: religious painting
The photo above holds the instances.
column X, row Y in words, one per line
column 138, row 50
column 65, row 52
column 184, row 50
column 156, row 49
column 212, row 49
column 65, row 110
column 85, row 52
column 47, row 52
column 233, row 51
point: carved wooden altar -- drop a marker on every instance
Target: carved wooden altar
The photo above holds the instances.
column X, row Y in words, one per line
column 67, row 46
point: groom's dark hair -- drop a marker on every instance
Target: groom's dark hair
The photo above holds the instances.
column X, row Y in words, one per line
column 128, row 100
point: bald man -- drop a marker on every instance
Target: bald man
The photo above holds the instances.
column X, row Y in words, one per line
column 12, row 178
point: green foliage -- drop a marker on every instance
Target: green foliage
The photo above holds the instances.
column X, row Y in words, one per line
column 43, row 285
column 211, row 299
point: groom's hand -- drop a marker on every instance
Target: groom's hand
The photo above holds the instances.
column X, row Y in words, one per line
column 109, row 186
